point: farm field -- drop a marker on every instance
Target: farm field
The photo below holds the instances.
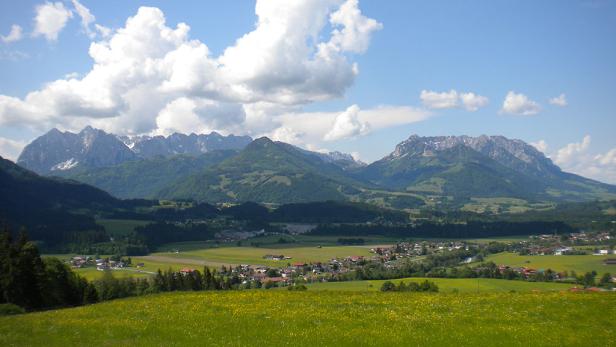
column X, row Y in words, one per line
column 254, row 255
column 324, row 318
column 577, row 263
column 446, row 285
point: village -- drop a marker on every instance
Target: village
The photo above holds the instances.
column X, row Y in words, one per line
column 391, row 257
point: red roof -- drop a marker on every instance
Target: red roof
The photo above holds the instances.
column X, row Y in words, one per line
column 187, row 270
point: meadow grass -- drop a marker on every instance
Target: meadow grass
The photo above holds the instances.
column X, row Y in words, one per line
column 283, row 318
column 577, row 263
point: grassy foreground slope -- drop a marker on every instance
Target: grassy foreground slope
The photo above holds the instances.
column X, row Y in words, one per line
column 275, row 318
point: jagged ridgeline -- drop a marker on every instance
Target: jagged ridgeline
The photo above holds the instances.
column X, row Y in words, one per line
column 453, row 170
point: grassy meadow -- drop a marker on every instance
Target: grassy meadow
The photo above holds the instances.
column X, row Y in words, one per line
column 262, row 318
column 577, row 263
column 448, row 285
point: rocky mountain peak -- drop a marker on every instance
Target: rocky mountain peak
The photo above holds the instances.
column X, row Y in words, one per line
column 91, row 147
column 512, row 153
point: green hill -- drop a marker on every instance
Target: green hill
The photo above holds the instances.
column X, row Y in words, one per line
column 50, row 207
column 269, row 172
column 280, row 317
column 144, row 178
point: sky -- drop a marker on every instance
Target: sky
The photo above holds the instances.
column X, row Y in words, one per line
column 347, row 75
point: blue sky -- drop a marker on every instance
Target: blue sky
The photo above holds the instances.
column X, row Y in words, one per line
column 536, row 49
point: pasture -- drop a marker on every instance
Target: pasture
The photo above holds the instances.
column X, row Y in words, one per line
column 577, row 263
column 448, row 285
column 264, row 318
column 254, row 255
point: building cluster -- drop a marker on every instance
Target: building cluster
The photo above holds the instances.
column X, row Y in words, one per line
column 237, row 235
column 414, row 249
column 100, row 264
column 307, row 272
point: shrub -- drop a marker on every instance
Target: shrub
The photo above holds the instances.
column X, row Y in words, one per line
column 299, row 287
column 10, row 309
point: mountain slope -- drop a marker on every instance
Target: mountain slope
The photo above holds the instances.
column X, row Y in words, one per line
column 465, row 167
column 267, row 171
column 144, row 178
column 44, row 205
column 58, row 151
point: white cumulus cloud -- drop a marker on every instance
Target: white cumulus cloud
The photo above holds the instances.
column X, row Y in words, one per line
column 541, row 146
column 436, row 100
column 148, row 75
column 346, row 125
column 14, row 35
column 10, row 149
column 452, row 99
column 519, row 104
column 576, row 157
column 473, row 102
column 315, row 127
column 560, row 100
column 50, row 19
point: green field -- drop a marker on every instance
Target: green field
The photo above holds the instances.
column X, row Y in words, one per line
column 276, row 318
column 577, row 263
column 462, row 285
column 254, row 255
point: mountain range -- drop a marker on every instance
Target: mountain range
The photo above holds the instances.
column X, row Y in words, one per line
column 58, row 151
column 215, row 168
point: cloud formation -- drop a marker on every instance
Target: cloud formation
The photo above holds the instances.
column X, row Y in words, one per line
column 50, row 19
column 560, row 100
column 519, row 104
column 10, row 149
column 86, row 16
column 14, row 35
column 309, row 128
column 150, row 77
column 346, row 125
column 541, row 146
column 452, row 99
column 576, row 157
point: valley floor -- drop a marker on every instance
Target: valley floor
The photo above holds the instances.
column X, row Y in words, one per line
column 275, row 318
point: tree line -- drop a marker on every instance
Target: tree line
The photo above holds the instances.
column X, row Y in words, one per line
column 470, row 229
column 34, row 283
column 425, row 286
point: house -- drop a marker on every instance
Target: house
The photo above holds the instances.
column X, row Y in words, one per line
column 275, row 279
column 185, row 271
column 355, row 258
column 261, row 269
column 562, row 250
column 602, row 252
column 275, row 257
